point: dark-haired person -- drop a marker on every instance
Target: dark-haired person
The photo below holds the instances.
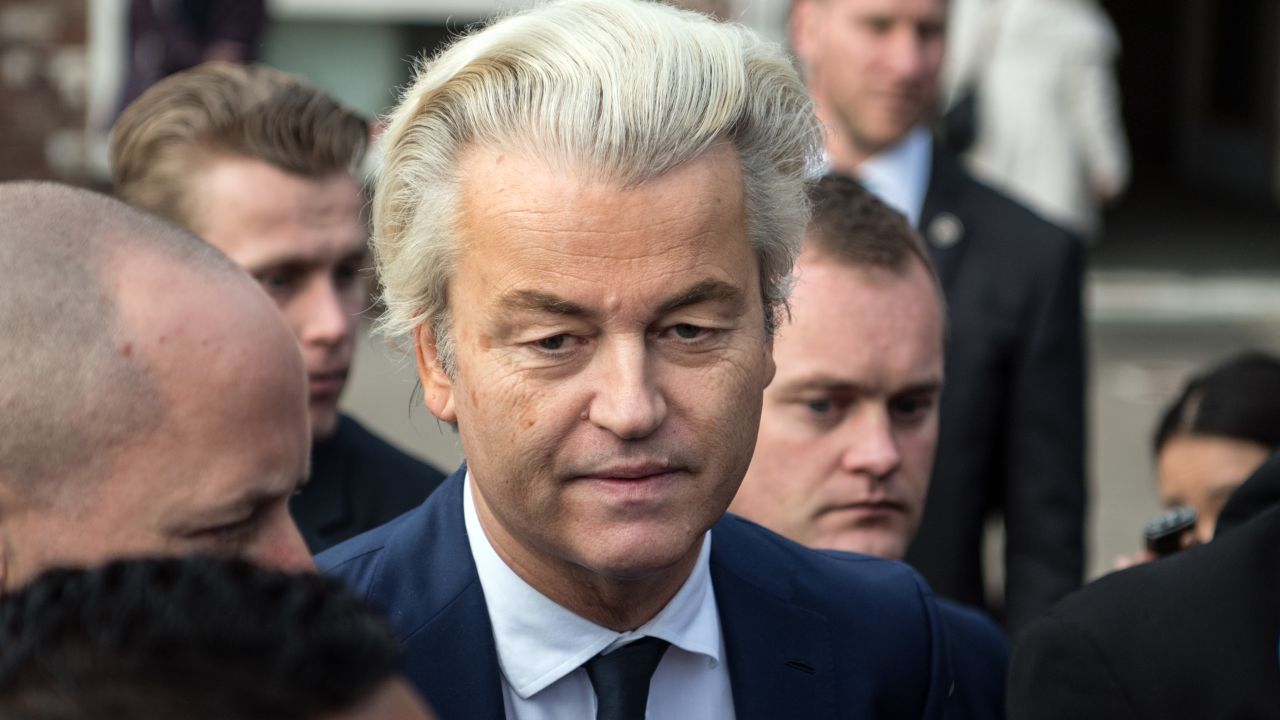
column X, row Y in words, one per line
column 263, row 166
column 151, row 401
column 1222, row 427
column 850, row 421
column 196, row 638
column 1196, row 635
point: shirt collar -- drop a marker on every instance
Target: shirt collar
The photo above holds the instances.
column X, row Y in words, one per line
column 900, row 175
column 539, row 642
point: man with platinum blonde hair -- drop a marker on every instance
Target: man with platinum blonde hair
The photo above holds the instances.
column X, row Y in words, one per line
column 586, row 220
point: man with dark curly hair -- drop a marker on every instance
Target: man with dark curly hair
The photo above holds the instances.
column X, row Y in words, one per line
column 196, row 638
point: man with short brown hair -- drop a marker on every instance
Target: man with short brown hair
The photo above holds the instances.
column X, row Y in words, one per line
column 263, row 166
column 1011, row 435
column 850, row 421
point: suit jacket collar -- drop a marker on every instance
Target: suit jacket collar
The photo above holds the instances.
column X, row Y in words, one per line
column 942, row 224
column 438, row 609
column 780, row 657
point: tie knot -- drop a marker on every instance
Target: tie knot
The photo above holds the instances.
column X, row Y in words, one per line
column 621, row 678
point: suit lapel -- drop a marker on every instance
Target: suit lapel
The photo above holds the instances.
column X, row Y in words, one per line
column 438, row 609
column 942, row 228
column 779, row 656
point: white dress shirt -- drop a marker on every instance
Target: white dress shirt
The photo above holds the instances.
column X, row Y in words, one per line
column 542, row 646
column 900, row 175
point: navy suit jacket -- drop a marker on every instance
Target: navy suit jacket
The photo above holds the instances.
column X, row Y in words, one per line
column 979, row 661
column 807, row 634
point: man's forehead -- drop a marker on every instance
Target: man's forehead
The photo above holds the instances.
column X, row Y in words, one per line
column 248, row 202
column 519, row 201
column 933, row 9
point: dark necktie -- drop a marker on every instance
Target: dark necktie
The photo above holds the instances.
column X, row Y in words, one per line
column 621, row 678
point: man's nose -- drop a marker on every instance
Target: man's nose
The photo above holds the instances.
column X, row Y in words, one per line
column 281, row 545
column 872, row 448
column 626, row 400
column 906, row 53
column 324, row 319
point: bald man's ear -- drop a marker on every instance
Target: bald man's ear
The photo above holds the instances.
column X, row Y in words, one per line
column 437, row 386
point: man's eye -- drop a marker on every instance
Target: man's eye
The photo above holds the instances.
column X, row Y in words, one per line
column 346, row 275
column 553, row 343
column 910, row 409
column 820, row 407
column 685, row 331
column 878, row 25
column 278, row 282
column 231, row 535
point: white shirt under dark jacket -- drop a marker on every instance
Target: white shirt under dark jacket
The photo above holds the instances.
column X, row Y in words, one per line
column 542, row 646
column 899, row 175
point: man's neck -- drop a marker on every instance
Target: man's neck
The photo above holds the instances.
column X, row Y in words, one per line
column 843, row 153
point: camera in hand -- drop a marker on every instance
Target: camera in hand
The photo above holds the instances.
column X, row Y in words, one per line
column 1164, row 534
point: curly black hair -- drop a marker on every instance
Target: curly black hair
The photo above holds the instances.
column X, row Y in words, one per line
column 195, row 638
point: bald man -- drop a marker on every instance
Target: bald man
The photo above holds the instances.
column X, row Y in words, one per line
column 150, row 399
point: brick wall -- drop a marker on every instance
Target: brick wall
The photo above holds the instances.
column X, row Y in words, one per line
column 42, row 89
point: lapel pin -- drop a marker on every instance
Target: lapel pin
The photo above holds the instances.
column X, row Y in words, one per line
column 945, row 230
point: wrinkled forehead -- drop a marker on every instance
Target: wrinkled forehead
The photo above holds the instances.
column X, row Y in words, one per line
column 520, row 214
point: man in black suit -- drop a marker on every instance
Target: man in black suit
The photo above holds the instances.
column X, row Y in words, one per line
column 850, row 421
column 263, row 166
column 585, row 221
column 1011, row 436
column 1196, row 635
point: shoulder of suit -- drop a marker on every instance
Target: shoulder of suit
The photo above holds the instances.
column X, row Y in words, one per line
column 972, row 629
column 992, row 217
column 820, row 577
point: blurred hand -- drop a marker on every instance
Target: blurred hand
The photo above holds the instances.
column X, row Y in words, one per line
column 1189, row 540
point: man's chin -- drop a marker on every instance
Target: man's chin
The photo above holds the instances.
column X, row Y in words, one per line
column 877, row 542
column 324, row 422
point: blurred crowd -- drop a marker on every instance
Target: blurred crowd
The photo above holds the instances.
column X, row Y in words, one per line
column 746, row 347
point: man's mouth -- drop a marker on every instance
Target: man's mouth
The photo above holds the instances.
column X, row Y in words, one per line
column 631, row 471
column 330, row 382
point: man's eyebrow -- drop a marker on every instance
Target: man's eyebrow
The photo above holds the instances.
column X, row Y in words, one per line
column 705, row 291
column 538, row 301
column 822, row 383
column 830, row 384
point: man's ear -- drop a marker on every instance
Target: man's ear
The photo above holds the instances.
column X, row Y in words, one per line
column 800, row 28
column 437, row 386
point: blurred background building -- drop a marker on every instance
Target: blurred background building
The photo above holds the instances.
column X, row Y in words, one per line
column 1186, row 271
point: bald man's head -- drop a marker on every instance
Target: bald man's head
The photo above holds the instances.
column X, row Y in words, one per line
column 151, row 399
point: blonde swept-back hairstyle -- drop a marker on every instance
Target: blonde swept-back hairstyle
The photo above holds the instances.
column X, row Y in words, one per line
column 226, row 110
column 621, row 91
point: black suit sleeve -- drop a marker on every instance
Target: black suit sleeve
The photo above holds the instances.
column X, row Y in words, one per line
column 1045, row 444
column 1058, row 673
